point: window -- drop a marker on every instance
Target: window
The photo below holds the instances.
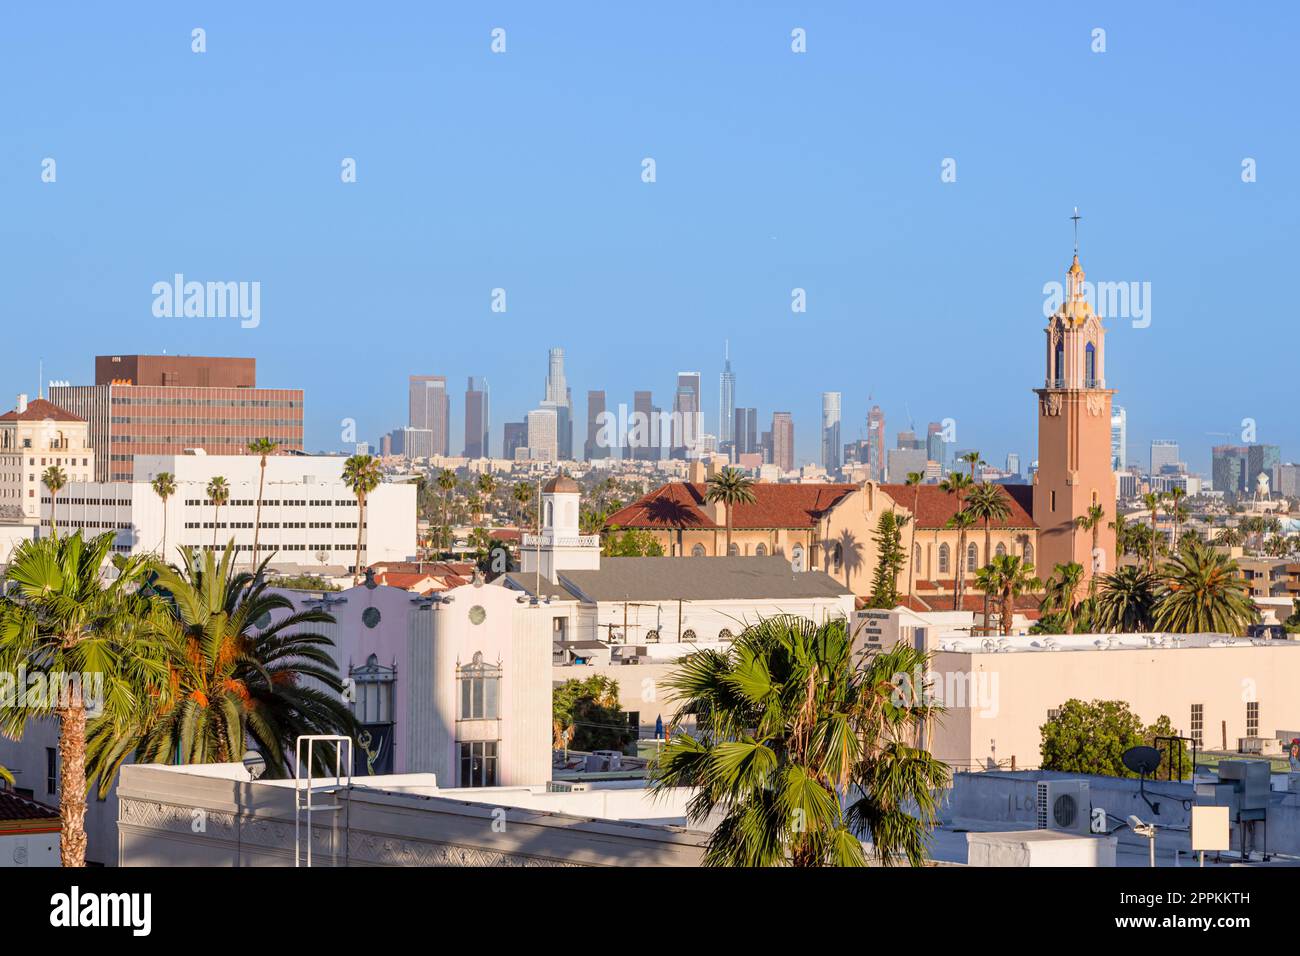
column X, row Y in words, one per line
column 652, row 636
column 725, row 634
column 1053, row 508
column 688, row 635
column 760, row 551
column 1000, row 551
column 1198, row 725
column 480, row 686
column 733, row 550
column 1053, row 713
column 478, row 763
column 972, row 557
column 697, row 551
column 374, row 691
column 944, row 559
column 1090, row 366
column 1029, row 552
column 1252, row 719
column 51, row 770
column 1058, row 364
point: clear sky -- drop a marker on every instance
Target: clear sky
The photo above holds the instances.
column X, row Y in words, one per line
column 774, row 170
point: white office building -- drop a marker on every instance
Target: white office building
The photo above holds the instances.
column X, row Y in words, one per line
column 308, row 514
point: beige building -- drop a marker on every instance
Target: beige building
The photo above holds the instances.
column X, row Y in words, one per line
column 998, row 693
column 34, row 436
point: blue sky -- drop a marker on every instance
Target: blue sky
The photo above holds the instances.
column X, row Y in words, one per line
column 774, row 170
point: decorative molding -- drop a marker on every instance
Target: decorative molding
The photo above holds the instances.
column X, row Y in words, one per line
column 1050, row 404
column 1096, row 404
column 389, row 851
column 174, row 819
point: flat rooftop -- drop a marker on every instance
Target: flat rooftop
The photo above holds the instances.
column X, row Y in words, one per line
column 962, row 643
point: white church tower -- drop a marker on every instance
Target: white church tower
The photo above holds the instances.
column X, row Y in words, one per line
column 561, row 546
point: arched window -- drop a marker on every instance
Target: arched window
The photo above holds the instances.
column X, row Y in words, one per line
column 688, row 635
column 479, row 689
column 1029, row 552
column 1058, row 364
column 760, row 551
column 972, row 557
column 652, row 636
column 837, row 555
column 943, row 559
column 733, row 550
column 697, row 551
column 550, row 513
column 725, row 634
column 1090, row 366
column 1000, row 550
column 916, row 559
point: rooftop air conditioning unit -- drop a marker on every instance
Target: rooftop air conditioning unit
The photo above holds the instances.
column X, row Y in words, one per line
column 1063, row 805
column 566, row 786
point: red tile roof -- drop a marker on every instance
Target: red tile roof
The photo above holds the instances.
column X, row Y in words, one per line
column 16, row 811
column 680, row 504
column 935, row 506
column 39, row 410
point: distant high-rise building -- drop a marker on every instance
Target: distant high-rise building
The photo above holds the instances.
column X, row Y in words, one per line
column 908, row 440
column 1013, row 463
column 936, row 449
column 559, row 397
column 1118, row 438
column 477, row 419
column 166, row 404
column 688, row 418
column 783, row 440
column 514, row 438
column 643, row 430
column 765, row 447
column 905, row 459
column 876, row 443
column 543, row 439
column 593, row 448
column 410, row 442
column 430, row 407
column 746, row 431
column 831, row 430
column 1228, row 465
column 727, row 400
column 1286, row 480
column 1260, row 459
column 1164, row 453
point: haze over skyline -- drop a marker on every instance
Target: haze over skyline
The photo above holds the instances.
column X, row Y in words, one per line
column 774, row 171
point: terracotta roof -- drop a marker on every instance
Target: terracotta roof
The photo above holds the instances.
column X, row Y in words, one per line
column 561, row 483
column 39, row 410
column 935, row 506
column 20, row 812
column 680, row 504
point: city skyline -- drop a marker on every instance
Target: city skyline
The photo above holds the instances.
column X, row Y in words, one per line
column 880, row 244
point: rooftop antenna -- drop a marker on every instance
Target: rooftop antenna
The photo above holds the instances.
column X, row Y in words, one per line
column 1076, row 217
column 40, row 378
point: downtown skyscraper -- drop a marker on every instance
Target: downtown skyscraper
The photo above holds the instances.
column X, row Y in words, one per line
column 831, row 431
column 430, row 408
column 478, row 423
column 688, row 418
column 559, row 398
column 726, row 399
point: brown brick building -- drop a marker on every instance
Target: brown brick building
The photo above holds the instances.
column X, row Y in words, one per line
column 166, row 404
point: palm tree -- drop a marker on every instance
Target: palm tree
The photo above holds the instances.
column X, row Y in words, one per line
column 446, row 482
column 986, row 503
column 229, row 681
column 61, row 617
column 1152, row 502
column 487, row 486
column 361, row 474
column 972, row 458
column 1228, row 537
column 262, row 447
column 1061, row 591
column 1091, row 520
column 914, row 479
column 523, row 493
column 54, row 478
column 1007, row 577
column 963, row 521
column 957, row 484
column 218, row 494
column 730, row 487
column 1127, row 600
column 1203, row 592
column 802, row 751
column 164, row 486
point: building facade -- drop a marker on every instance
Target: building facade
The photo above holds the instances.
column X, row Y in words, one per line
column 430, row 408
column 478, row 419
column 34, row 436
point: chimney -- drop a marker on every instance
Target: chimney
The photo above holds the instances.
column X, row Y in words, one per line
column 22, row 403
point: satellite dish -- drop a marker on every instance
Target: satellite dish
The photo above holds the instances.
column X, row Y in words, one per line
column 255, row 764
column 1141, row 760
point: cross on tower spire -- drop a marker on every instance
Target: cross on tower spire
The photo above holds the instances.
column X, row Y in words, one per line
column 1076, row 217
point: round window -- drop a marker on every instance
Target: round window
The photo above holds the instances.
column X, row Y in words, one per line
column 477, row 614
column 371, row 617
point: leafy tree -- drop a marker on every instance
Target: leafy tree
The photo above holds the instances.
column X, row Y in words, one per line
column 164, row 486
column 1152, row 502
column 802, row 749
column 61, row 617
column 914, row 479
column 587, row 712
column 1091, row 737
column 889, row 562
column 730, row 487
column 55, row 479
column 261, row 447
column 362, row 476
column 632, row 543
column 302, row 582
column 1203, row 591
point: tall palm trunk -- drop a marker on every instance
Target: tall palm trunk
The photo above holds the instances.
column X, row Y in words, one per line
column 164, row 543
column 216, row 523
column 728, row 507
column 361, row 524
column 54, row 513
column 72, row 783
column 988, row 558
column 257, row 519
column 1151, row 564
column 911, row 553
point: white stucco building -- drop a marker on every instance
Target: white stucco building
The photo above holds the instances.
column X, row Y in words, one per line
column 307, row 511
column 34, row 436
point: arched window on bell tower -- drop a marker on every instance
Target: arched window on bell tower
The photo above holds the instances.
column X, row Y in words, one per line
column 1090, row 366
column 1058, row 363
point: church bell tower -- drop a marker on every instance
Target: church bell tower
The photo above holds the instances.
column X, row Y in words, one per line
column 1074, row 443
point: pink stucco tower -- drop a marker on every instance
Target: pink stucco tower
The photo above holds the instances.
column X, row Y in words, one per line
column 1074, row 450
